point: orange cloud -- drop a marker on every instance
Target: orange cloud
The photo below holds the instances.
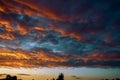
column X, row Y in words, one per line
column 7, row 25
column 18, row 58
column 22, row 30
column 34, row 8
column 41, row 8
column 7, row 36
column 63, row 32
column 1, row 9
column 8, row 31
column 9, row 7
column 16, row 54
column 31, row 8
column 102, row 57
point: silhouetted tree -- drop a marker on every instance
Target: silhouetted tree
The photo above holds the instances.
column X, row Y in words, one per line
column 8, row 77
column 14, row 77
column 60, row 77
column 53, row 79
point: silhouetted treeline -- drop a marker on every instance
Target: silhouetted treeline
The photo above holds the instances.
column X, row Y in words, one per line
column 60, row 77
column 112, row 79
column 8, row 77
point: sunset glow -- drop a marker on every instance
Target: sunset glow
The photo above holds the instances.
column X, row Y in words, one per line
column 39, row 39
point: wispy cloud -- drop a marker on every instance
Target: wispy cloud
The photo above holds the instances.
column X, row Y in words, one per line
column 24, row 74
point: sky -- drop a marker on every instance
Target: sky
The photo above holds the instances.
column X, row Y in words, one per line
column 80, row 38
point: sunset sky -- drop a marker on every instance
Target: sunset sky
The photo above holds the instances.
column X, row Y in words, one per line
column 41, row 38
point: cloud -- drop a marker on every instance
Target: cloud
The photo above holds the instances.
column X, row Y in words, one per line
column 3, row 74
column 76, row 77
column 24, row 74
column 59, row 33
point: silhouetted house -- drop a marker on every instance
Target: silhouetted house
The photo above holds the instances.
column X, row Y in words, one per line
column 60, row 77
column 8, row 77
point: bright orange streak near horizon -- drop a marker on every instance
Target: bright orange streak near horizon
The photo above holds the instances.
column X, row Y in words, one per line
column 17, row 58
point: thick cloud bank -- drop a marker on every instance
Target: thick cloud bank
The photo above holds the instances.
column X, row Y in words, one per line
column 60, row 33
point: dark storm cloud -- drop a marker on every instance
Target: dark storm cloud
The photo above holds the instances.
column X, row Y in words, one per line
column 60, row 33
